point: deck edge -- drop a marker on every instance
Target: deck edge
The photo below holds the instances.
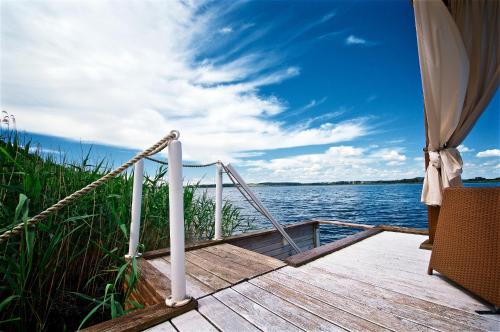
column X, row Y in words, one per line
column 142, row 319
column 313, row 254
column 207, row 243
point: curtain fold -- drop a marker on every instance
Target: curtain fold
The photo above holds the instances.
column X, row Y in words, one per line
column 479, row 26
column 460, row 67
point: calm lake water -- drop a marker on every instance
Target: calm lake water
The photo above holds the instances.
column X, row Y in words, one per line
column 395, row 204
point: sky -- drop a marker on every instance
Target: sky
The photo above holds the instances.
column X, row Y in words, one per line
column 303, row 91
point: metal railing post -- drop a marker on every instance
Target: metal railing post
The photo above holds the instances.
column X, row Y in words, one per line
column 135, row 225
column 218, row 201
column 176, row 220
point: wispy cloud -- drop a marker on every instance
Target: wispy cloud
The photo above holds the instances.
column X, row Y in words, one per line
column 313, row 103
column 488, row 153
column 225, row 30
column 353, row 40
column 330, row 34
column 127, row 81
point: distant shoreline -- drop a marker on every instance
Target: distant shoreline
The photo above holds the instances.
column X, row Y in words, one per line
column 417, row 180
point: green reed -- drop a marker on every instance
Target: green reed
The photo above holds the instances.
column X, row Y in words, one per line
column 69, row 270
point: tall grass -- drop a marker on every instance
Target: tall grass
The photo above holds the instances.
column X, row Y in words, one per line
column 69, row 269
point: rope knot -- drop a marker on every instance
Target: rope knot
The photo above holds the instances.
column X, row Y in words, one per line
column 175, row 134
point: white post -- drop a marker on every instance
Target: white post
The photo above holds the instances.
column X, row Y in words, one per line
column 176, row 205
column 317, row 239
column 218, row 201
column 135, row 225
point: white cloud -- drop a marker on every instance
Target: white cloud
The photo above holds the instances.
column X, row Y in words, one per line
column 353, row 40
column 127, row 75
column 463, row 149
column 335, row 164
column 391, row 156
column 226, row 30
column 488, row 153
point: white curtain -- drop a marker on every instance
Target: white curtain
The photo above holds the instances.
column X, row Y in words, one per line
column 444, row 67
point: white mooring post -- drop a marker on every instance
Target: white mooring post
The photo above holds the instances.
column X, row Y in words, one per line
column 176, row 205
column 218, row 201
column 135, row 225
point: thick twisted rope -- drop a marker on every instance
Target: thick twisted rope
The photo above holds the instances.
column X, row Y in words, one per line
column 183, row 165
column 160, row 145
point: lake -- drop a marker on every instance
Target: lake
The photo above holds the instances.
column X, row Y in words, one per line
column 393, row 204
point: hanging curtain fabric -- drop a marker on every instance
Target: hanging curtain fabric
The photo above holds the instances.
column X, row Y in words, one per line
column 479, row 25
column 458, row 81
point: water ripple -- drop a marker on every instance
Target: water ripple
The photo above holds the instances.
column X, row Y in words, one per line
column 396, row 204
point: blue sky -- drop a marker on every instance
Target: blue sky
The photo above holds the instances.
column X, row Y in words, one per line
column 286, row 91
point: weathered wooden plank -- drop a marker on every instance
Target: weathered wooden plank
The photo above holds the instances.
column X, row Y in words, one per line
column 153, row 279
column 277, row 249
column 275, row 237
column 219, row 270
column 145, row 295
column 405, row 242
column 273, row 242
column 393, row 268
column 283, row 255
column 318, row 301
column 252, row 312
column 248, row 237
column 391, row 259
column 142, row 319
column 222, row 317
column 238, row 259
column 204, row 276
column 189, row 246
column 310, row 255
column 343, row 224
column 399, row 229
column 409, row 230
column 423, row 286
column 389, row 243
column 192, row 321
column 238, row 270
column 163, row 327
column 257, row 258
column 194, row 287
column 292, row 229
column 288, row 311
column 423, row 312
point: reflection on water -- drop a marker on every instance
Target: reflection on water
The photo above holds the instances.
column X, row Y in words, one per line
column 396, row 204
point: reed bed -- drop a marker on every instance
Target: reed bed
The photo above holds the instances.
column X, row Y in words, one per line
column 67, row 272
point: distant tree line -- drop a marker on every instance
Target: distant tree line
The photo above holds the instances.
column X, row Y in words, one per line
column 357, row 182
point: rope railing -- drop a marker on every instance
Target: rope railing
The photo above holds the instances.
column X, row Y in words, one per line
column 183, row 165
column 154, row 149
column 248, row 196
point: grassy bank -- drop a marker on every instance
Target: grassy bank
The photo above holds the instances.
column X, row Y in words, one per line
column 70, row 268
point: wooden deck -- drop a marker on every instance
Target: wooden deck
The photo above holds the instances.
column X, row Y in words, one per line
column 208, row 269
column 377, row 284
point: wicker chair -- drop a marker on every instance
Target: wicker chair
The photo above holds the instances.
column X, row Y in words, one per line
column 467, row 242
